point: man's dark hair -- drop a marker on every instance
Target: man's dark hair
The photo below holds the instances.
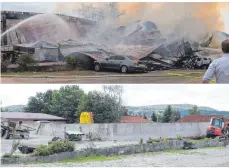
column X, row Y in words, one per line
column 225, row 46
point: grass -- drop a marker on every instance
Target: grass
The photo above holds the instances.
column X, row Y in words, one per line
column 199, row 140
column 83, row 159
column 214, row 147
column 191, row 75
column 92, row 159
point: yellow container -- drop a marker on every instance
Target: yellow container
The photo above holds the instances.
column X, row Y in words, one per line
column 86, row 118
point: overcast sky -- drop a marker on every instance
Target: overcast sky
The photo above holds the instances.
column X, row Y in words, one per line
column 215, row 96
column 49, row 7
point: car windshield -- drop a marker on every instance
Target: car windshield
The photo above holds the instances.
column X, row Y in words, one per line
column 132, row 58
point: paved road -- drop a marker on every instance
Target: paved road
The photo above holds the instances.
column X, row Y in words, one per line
column 208, row 157
column 165, row 77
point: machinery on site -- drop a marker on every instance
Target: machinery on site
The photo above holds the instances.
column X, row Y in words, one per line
column 10, row 129
column 217, row 129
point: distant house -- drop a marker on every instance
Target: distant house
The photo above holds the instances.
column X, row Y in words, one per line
column 198, row 118
column 134, row 119
column 30, row 118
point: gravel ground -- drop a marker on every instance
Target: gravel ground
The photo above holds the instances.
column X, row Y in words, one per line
column 205, row 157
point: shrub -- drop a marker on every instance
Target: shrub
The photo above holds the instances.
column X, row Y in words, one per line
column 179, row 137
column 42, row 150
column 61, row 146
column 165, row 140
column 25, row 60
column 54, row 147
column 10, row 156
column 71, row 60
column 150, row 140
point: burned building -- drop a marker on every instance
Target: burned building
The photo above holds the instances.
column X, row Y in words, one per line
column 32, row 31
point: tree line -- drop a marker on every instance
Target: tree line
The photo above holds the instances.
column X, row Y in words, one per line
column 171, row 115
column 107, row 107
column 69, row 101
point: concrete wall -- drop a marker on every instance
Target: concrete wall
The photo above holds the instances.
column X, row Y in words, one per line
column 129, row 131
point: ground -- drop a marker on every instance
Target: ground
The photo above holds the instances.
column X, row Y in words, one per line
column 88, row 77
column 204, row 157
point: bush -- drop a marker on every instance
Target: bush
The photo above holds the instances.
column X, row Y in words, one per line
column 150, row 140
column 71, row 60
column 54, row 147
column 25, row 60
column 61, row 146
column 10, row 156
column 42, row 150
column 179, row 137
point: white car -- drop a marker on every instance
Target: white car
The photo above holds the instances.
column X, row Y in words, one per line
column 203, row 62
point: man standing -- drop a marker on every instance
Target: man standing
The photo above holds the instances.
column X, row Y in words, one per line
column 220, row 67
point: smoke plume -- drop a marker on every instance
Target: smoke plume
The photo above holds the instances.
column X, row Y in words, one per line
column 189, row 20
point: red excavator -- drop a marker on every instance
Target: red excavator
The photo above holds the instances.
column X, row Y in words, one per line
column 216, row 128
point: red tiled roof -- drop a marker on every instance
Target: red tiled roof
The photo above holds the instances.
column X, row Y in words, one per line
column 29, row 116
column 198, row 118
column 133, row 119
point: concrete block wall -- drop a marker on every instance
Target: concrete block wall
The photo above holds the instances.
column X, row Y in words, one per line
column 129, row 131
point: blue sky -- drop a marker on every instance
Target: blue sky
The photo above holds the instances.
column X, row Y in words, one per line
column 215, row 96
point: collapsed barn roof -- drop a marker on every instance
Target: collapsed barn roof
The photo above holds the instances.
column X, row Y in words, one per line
column 37, row 44
column 143, row 40
column 97, row 52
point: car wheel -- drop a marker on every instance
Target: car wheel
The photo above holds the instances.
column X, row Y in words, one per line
column 97, row 67
column 124, row 69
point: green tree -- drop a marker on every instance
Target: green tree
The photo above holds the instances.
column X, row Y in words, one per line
column 39, row 103
column 65, row 102
column 167, row 114
column 4, row 109
column 106, row 106
column 123, row 111
column 154, row 117
column 194, row 111
column 175, row 116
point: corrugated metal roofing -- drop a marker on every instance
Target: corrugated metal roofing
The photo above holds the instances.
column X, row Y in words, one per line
column 133, row 119
column 37, row 44
column 29, row 116
column 198, row 118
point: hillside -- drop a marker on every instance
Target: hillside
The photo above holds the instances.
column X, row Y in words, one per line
column 182, row 108
column 15, row 108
